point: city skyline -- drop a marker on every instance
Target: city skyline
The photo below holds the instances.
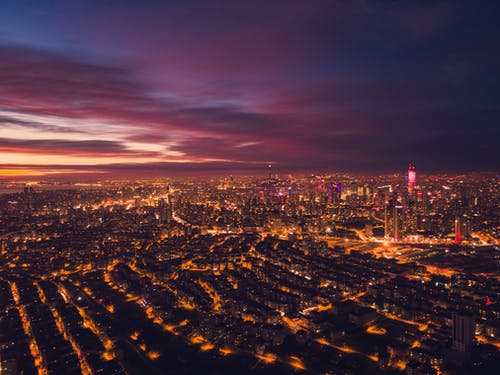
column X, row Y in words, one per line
column 228, row 87
column 319, row 274
column 249, row 187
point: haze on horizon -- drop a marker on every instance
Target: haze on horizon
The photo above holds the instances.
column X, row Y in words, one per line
column 196, row 86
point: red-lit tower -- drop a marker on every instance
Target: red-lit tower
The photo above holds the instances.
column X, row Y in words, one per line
column 458, row 236
column 412, row 177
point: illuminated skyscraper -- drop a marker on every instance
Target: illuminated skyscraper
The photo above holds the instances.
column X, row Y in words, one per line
column 386, row 221
column 396, row 222
column 412, row 177
column 458, row 234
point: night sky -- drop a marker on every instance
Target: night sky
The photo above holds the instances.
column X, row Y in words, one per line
column 229, row 86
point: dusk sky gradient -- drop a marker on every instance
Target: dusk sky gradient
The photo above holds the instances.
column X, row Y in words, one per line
column 228, row 86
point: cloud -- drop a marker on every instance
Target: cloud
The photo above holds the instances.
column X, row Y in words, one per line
column 51, row 83
column 40, row 82
column 306, row 85
column 67, row 147
column 8, row 121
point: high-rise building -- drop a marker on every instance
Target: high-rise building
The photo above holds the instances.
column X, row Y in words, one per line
column 339, row 188
column 386, row 220
column 410, row 214
column 28, row 198
column 463, row 331
column 412, row 178
column 458, row 235
column 397, row 222
column 461, row 229
column 165, row 211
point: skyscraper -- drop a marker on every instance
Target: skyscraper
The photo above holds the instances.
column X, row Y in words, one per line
column 396, row 221
column 412, row 178
column 386, row 221
column 463, row 331
column 165, row 211
column 458, row 236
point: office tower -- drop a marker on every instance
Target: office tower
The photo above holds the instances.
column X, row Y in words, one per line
column 412, row 178
column 386, row 220
column 162, row 211
column 411, row 216
column 321, row 190
column 395, row 223
column 165, row 211
column 331, row 189
column 28, row 198
column 463, row 331
column 457, row 231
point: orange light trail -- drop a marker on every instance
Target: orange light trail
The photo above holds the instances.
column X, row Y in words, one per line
column 61, row 327
column 34, row 348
